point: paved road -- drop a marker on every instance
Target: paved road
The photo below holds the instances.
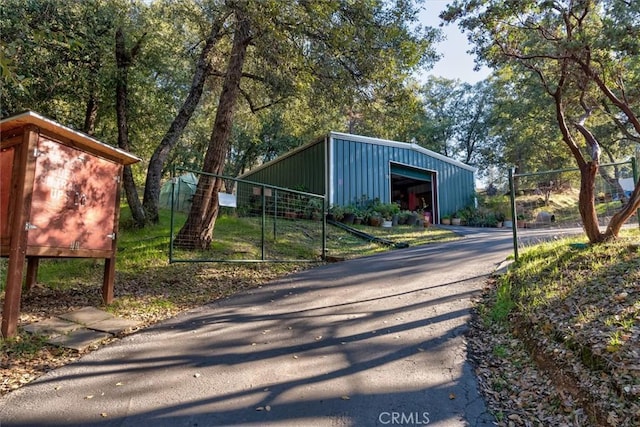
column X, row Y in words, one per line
column 376, row 341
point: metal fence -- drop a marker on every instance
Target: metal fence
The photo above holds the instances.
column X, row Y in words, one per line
column 257, row 222
column 549, row 199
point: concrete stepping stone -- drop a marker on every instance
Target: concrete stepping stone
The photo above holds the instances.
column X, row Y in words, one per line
column 87, row 316
column 113, row 326
column 51, row 326
column 78, row 339
column 80, row 328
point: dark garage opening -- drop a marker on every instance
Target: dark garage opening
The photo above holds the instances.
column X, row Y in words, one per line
column 414, row 189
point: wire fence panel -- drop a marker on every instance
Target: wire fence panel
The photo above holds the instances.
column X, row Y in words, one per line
column 550, row 199
column 256, row 222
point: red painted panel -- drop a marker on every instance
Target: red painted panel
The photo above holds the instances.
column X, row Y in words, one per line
column 73, row 204
column 6, row 168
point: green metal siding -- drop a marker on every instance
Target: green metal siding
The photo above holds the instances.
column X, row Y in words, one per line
column 362, row 170
column 360, row 167
column 302, row 170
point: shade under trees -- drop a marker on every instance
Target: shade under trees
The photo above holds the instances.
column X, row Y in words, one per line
column 583, row 55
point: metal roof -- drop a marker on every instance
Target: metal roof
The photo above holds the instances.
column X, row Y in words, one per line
column 366, row 140
column 405, row 145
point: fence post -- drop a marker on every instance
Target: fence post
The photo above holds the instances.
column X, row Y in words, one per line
column 634, row 168
column 264, row 220
column 324, row 229
column 514, row 222
column 173, row 188
column 275, row 214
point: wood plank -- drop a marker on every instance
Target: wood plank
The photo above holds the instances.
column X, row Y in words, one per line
column 49, row 252
column 21, row 206
column 32, row 272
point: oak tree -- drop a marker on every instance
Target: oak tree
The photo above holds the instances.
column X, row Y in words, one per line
column 583, row 57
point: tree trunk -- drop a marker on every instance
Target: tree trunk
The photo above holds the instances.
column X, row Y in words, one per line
column 586, row 202
column 170, row 139
column 91, row 113
column 629, row 209
column 123, row 60
column 588, row 170
column 197, row 232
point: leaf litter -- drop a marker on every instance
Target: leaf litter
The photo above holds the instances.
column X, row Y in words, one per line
column 569, row 354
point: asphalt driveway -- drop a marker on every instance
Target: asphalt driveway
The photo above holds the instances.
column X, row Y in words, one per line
column 376, row 341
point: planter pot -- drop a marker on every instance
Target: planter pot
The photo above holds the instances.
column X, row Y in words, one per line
column 455, row 221
column 508, row 224
column 375, row 221
column 445, row 221
column 357, row 220
column 387, row 223
column 499, row 224
column 427, row 217
column 395, row 220
column 348, row 218
column 522, row 224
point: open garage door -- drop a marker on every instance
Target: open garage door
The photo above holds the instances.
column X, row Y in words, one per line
column 414, row 189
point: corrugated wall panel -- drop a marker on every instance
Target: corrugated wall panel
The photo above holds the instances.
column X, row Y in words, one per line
column 363, row 170
column 303, row 170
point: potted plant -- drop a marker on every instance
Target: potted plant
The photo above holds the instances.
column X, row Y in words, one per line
column 403, row 217
column 314, row 209
column 508, row 222
column 375, row 219
column 348, row 214
column 359, row 216
column 500, row 219
column 491, row 220
column 455, row 219
column 336, row 213
column 394, row 211
column 445, row 220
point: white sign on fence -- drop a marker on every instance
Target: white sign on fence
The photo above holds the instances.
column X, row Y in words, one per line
column 228, row 200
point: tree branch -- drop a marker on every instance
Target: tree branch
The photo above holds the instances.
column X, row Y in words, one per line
column 255, row 109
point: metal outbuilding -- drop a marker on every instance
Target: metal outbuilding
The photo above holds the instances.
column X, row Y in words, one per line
column 349, row 169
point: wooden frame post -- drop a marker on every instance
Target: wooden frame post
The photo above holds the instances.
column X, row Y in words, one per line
column 21, row 208
column 32, row 272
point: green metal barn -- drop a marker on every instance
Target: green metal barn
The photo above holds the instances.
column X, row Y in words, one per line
column 350, row 168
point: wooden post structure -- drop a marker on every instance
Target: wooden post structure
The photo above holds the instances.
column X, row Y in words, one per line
column 23, row 178
column 59, row 197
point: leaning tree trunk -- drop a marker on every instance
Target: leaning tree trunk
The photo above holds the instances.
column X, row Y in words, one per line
column 123, row 60
column 170, row 139
column 586, row 202
column 629, row 209
column 197, row 232
column 588, row 170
